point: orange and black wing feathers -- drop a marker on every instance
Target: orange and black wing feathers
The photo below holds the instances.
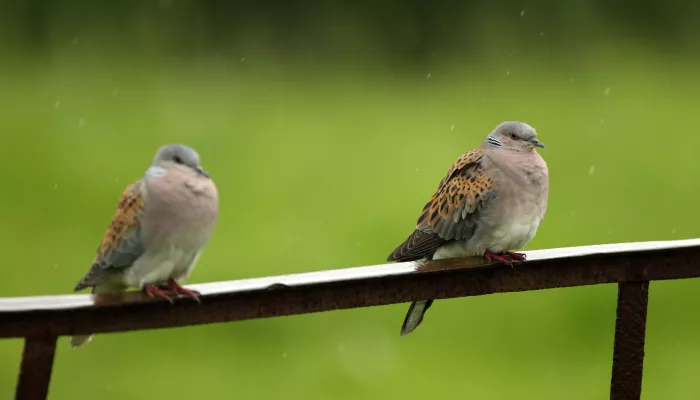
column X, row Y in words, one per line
column 121, row 245
column 452, row 211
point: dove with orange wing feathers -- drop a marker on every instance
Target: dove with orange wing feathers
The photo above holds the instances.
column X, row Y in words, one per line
column 491, row 202
column 160, row 227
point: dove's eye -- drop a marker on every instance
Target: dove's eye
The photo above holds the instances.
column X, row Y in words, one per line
column 178, row 160
column 513, row 136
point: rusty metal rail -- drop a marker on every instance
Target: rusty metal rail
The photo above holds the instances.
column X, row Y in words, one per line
column 40, row 320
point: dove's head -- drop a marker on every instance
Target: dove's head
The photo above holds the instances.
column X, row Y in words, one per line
column 178, row 156
column 513, row 135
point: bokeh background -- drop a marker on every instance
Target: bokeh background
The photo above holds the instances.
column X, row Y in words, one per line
column 327, row 125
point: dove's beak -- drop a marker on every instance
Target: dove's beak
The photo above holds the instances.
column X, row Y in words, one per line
column 202, row 172
column 537, row 143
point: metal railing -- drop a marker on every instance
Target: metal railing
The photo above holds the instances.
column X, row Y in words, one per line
column 41, row 320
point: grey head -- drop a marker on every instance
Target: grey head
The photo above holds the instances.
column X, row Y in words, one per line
column 513, row 135
column 179, row 156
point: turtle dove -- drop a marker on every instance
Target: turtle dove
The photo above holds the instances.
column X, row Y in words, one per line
column 491, row 201
column 161, row 225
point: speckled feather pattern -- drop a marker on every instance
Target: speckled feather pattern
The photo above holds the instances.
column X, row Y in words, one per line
column 451, row 212
column 118, row 247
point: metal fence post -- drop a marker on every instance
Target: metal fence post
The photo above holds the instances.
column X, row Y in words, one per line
column 630, row 331
column 35, row 371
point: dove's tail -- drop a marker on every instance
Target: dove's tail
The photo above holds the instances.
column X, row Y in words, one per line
column 78, row 341
column 414, row 316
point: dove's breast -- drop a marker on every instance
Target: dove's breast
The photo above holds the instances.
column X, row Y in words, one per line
column 515, row 215
column 180, row 215
column 181, row 210
column 510, row 235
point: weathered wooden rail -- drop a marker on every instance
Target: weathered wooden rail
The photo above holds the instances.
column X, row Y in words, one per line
column 41, row 320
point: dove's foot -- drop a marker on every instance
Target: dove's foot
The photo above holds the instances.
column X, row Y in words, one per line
column 514, row 256
column 491, row 257
column 175, row 288
column 156, row 292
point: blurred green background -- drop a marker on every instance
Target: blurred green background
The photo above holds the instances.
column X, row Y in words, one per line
column 327, row 126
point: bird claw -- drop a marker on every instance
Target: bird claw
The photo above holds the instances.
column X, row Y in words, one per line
column 177, row 289
column 153, row 291
column 514, row 256
column 491, row 257
column 171, row 289
column 506, row 257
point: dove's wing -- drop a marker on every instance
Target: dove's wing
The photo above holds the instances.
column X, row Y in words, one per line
column 122, row 244
column 453, row 211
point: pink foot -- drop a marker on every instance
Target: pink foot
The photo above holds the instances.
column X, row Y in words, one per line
column 175, row 288
column 155, row 292
column 514, row 256
column 490, row 257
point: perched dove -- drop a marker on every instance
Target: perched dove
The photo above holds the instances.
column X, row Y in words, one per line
column 492, row 201
column 162, row 223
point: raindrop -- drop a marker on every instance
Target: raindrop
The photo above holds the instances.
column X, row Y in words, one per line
column 284, row 355
column 55, row 186
column 591, row 170
column 74, row 41
column 417, row 170
column 57, row 104
column 507, row 73
column 115, row 92
column 242, row 59
column 81, row 122
column 602, row 120
column 673, row 231
column 607, row 91
column 428, row 75
column 541, row 33
column 452, row 127
column 522, row 13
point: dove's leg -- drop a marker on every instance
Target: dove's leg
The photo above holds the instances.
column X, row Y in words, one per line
column 156, row 292
column 176, row 288
column 490, row 257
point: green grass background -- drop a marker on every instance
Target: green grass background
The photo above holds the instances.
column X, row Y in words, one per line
column 323, row 169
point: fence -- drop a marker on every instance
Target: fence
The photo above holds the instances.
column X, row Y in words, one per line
column 41, row 320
